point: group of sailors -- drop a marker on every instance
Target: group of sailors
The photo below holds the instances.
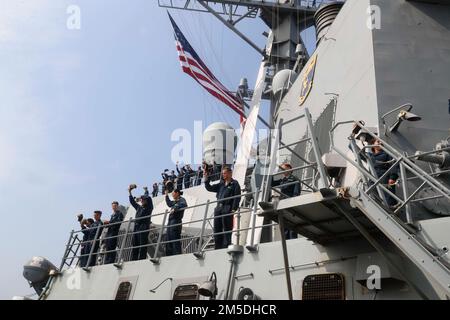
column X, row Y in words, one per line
column 185, row 177
column 92, row 229
column 228, row 194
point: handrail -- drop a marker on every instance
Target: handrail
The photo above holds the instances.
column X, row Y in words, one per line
column 160, row 214
column 171, row 241
column 412, row 167
column 101, row 238
column 400, row 160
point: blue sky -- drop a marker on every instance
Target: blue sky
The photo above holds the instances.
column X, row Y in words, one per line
column 86, row 112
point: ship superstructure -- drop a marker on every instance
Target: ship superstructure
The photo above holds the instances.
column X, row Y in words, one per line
column 380, row 72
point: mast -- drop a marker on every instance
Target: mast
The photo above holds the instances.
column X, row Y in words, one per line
column 285, row 19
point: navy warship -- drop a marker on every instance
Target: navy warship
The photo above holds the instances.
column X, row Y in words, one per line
column 378, row 79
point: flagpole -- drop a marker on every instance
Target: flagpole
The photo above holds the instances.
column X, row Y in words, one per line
column 259, row 117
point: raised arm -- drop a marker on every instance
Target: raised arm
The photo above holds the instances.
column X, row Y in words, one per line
column 132, row 201
column 211, row 188
column 169, row 202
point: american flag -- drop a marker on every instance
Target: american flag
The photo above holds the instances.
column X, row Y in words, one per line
column 194, row 66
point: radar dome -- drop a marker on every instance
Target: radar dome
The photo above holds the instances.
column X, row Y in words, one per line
column 219, row 143
column 282, row 81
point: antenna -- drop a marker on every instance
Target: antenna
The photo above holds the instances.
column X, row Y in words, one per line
column 231, row 12
column 237, row 10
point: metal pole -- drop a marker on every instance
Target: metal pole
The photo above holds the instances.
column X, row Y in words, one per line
column 76, row 250
column 92, row 249
column 199, row 254
column 323, row 181
column 230, row 277
column 285, row 256
column 66, row 251
column 408, row 200
column 255, row 210
column 238, row 233
column 122, row 246
column 155, row 256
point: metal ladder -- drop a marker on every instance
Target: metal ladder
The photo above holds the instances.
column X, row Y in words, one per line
column 319, row 178
column 425, row 257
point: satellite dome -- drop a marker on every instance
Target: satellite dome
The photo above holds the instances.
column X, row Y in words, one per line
column 282, row 81
column 219, row 143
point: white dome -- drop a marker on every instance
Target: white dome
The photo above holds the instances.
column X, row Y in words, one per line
column 219, row 143
column 283, row 80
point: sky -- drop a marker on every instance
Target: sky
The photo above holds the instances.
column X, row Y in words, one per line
column 85, row 112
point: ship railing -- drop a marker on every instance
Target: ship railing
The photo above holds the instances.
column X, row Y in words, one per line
column 123, row 244
column 310, row 171
column 309, row 186
column 408, row 171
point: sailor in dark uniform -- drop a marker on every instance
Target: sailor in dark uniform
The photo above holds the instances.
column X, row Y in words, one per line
column 226, row 188
column 175, row 219
column 141, row 225
column 112, row 233
column 95, row 231
column 155, row 190
column 382, row 162
column 86, row 244
column 289, row 187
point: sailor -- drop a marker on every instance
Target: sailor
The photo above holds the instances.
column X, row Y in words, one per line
column 175, row 219
column 199, row 176
column 165, row 174
column 226, row 188
column 112, row 233
column 188, row 173
column 163, row 187
column 180, row 176
column 96, row 230
column 172, row 176
column 86, row 244
column 382, row 162
column 289, row 187
column 155, row 190
column 141, row 224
